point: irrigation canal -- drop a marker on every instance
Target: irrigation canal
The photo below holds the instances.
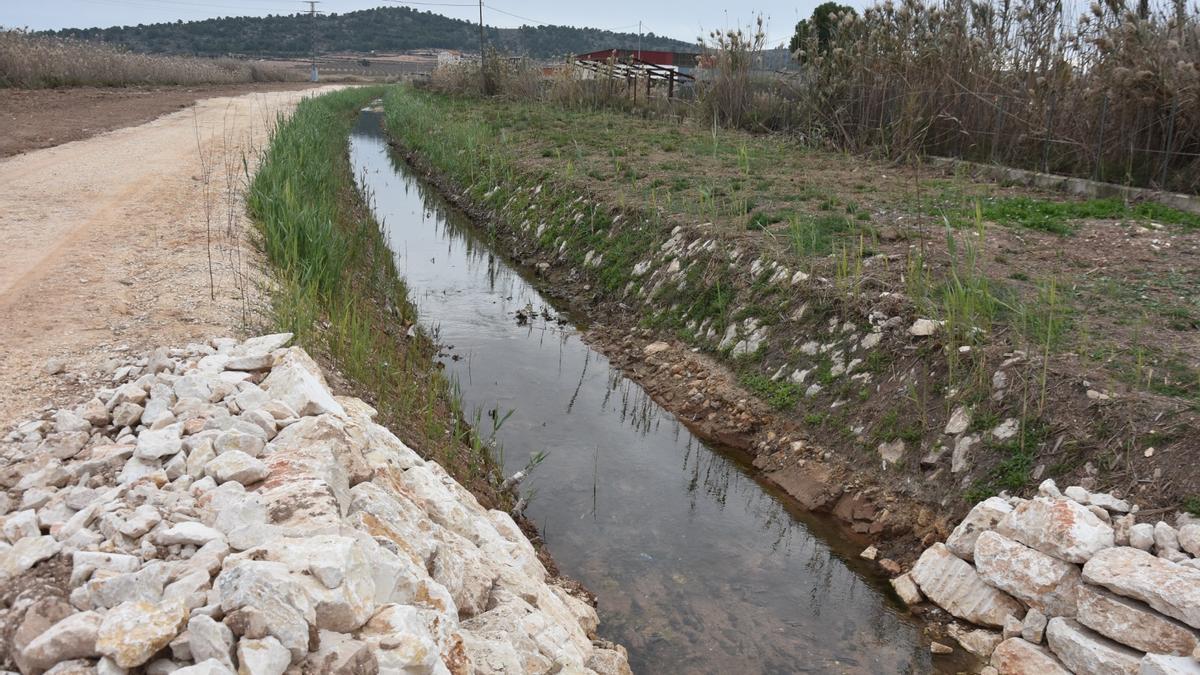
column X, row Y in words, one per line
column 698, row 567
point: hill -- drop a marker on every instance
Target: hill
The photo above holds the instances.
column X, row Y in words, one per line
column 384, row 29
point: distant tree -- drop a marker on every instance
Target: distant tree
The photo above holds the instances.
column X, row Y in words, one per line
column 380, row 29
column 820, row 25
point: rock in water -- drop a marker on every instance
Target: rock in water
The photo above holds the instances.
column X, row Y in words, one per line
column 956, row 587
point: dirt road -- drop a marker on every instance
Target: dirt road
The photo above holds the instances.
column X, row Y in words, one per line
column 108, row 240
column 42, row 118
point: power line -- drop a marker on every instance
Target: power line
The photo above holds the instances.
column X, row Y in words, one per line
column 518, row 16
column 434, row 4
column 168, row 4
column 312, row 11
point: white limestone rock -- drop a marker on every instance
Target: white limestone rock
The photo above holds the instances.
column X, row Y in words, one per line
column 249, row 444
column 262, row 598
column 156, row 444
column 960, row 419
column 956, row 587
column 1166, row 539
column 132, row 632
column 983, row 517
column 265, row 657
column 1015, row 656
column 923, row 327
column 209, row 667
column 237, row 466
column 71, row 638
column 1033, row 627
column 191, row 533
column 1084, row 651
column 1040, row 581
column 1162, row 664
column 1061, row 528
column 209, row 639
column 979, row 642
column 1133, row 623
column 25, row 554
column 1171, row 589
column 333, row 571
column 301, row 391
column 1141, row 536
column 20, row 525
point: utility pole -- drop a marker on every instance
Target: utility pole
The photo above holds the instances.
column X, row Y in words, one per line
column 482, row 75
column 312, row 12
column 639, row 40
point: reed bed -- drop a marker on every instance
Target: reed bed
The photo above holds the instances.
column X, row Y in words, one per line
column 1113, row 94
column 36, row 62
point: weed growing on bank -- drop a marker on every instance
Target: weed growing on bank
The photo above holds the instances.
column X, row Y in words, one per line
column 779, row 258
column 336, row 287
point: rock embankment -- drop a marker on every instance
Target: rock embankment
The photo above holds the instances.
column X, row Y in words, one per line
column 218, row 510
column 1067, row 582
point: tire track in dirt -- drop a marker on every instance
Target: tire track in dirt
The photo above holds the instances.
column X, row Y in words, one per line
column 107, row 243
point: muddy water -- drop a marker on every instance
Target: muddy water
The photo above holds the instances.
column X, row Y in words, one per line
column 698, row 567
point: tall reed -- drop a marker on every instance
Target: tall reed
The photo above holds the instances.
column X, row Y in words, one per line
column 36, row 62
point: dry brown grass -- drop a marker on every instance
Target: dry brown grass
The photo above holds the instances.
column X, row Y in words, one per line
column 516, row 78
column 35, row 62
column 1114, row 94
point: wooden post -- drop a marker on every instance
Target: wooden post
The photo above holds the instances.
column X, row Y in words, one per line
column 671, row 85
column 647, row 87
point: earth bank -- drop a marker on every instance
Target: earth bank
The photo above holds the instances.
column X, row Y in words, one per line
column 838, row 387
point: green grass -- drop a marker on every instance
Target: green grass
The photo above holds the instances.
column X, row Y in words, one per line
column 891, row 427
column 817, row 235
column 782, row 394
column 1017, row 458
column 1057, row 217
column 336, row 287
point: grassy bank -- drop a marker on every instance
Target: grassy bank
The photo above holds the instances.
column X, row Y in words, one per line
column 335, row 286
column 1074, row 322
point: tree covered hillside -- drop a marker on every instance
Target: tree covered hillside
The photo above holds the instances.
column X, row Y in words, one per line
column 382, row 29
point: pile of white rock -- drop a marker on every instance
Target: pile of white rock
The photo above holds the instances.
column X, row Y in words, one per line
column 218, row 510
column 1066, row 582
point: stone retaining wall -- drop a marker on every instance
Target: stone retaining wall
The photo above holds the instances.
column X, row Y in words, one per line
column 1067, row 583
column 218, row 510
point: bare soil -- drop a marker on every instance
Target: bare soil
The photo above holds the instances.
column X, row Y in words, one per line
column 42, row 118
column 110, row 240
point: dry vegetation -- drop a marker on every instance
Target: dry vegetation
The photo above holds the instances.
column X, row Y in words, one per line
column 1112, row 95
column 38, row 62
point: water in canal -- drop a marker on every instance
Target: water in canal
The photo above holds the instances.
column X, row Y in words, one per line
column 698, row 567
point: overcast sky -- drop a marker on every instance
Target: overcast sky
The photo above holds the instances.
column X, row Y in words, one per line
column 681, row 20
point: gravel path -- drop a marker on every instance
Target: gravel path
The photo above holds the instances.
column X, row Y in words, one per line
column 107, row 243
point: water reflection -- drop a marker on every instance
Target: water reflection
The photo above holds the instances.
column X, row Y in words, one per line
column 698, row 567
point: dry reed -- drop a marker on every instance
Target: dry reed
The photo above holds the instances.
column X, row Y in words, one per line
column 36, row 62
